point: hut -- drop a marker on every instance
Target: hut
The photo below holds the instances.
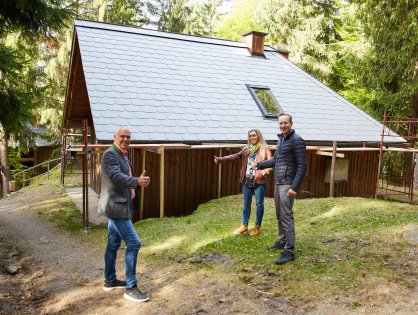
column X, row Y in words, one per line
column 187, row 98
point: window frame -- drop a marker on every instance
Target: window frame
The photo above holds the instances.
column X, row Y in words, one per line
column 260, row 104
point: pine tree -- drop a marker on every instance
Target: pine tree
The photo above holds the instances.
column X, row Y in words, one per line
column 170, row 15
column 306, row 28
column 21, row 23
column 389, row 69
column 203, row 18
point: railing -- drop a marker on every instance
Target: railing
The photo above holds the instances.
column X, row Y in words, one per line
column 26, row 176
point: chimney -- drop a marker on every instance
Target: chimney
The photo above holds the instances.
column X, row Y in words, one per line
column 255, row 42
column 284, row 52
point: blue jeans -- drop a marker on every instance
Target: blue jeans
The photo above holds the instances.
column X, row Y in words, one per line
column 118, row 230
column 247, row 193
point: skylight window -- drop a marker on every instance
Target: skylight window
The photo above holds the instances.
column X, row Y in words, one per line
column 265, row 101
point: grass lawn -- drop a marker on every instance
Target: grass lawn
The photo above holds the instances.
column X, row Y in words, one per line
column 343, row 245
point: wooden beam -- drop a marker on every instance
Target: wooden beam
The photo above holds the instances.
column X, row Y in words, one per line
column 26, row 159
column 218, row 145
column 332, row 175
column 353, row 149
column 149, row 146
column 141, row 202
column 357, row 149
column 338, row 155
column 411, row 150
column 162, row 182
column 156, row 151
column 154, row 147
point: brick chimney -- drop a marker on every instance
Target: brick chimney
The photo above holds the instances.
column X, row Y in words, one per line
column 255, row 42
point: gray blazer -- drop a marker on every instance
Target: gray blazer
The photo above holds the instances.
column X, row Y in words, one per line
column 115, row 196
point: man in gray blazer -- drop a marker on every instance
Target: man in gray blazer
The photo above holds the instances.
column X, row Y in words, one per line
column 118, row 198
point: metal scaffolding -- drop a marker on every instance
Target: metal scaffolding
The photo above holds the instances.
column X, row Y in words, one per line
column 395, row 175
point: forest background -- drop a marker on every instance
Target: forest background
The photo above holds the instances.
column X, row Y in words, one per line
column 366, row 50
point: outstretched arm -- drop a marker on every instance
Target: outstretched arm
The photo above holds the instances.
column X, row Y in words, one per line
column 228, row 158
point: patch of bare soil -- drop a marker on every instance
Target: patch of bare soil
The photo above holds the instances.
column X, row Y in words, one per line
column 61, row 273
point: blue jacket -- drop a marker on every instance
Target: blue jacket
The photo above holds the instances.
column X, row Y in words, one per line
column 115, row 197
column 289, row 161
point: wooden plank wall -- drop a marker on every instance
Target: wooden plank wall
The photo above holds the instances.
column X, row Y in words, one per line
column 230, row 175
column 361, row 180
column 42, row 154
column 191, row 178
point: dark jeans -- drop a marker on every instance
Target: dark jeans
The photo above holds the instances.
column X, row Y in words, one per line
column 284, row 215
column 118, row 230
column 247, row 193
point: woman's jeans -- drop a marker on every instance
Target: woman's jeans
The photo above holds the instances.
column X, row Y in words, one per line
column 247, row 193
column 118, row 230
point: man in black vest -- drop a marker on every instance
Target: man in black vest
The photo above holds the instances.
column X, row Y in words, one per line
column 118, row 198
column 290, row 165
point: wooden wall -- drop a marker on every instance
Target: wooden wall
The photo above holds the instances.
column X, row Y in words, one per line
column 361, row 182
column 191, row 178
column 42, row 154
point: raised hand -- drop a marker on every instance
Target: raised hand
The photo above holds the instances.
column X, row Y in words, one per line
column 144, row 180
column 216, row 159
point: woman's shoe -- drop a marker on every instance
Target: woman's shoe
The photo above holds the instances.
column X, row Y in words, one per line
column 256, row 230
column 242, row 229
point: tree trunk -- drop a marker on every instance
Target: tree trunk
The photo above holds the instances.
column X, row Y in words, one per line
column 415, row 131
column 4, row 159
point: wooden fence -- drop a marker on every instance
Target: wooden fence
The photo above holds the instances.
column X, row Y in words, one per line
column 192, row 178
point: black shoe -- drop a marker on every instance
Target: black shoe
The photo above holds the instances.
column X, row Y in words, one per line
column 277, row 245
column 285, row 257
column 135, row 295
column 115, row 284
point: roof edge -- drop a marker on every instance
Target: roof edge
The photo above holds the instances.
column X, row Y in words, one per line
column 162, row 34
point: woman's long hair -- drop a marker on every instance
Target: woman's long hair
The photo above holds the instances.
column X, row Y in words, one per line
column 261, row 140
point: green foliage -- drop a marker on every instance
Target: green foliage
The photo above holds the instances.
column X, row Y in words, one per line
column 32, row 17
column 22, row 23
column 15, row 165
column 306, row 28
column 171, row 14
column 203, row 17
column 388, row 69
column 239, row 21
column 129, row 12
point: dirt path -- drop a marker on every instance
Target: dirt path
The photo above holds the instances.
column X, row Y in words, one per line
column 61, row 274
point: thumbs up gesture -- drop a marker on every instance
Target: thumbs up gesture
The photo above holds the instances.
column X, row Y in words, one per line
column 144, row 180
